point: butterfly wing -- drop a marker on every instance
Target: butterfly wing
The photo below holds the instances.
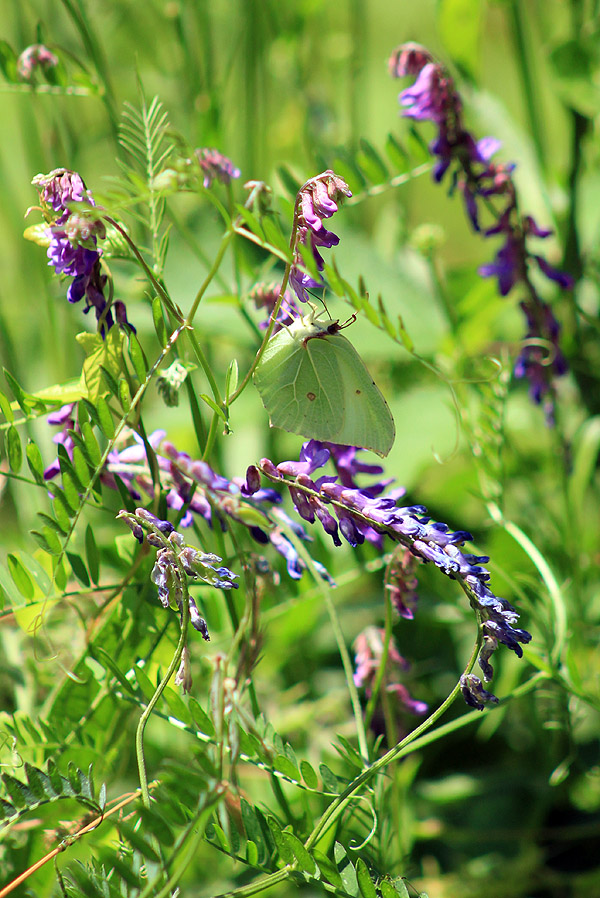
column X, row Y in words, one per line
column 301, row 396
column 313, row 382
column 366, row 419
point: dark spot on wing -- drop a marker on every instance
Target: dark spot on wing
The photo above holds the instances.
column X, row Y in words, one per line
column 358, row 392
column 311, row 397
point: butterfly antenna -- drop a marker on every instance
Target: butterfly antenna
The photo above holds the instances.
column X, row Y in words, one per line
column 348, row 321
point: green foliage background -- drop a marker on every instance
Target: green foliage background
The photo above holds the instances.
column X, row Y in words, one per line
column 508, row 802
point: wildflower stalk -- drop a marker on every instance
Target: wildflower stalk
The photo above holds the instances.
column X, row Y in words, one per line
column 225, row 240
column 173, row 666
column 338, row 806
column 318, row 181
column 554, row 591
column 272, row 319
column 167, row 301
column 372, row 703
column 341, row 644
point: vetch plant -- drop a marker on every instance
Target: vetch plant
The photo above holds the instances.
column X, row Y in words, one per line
column 311, row 726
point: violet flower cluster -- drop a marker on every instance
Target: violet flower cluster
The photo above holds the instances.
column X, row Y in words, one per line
column 176, row 560
column 358, row 514
column 73, row 248
column 369, row 651
column 317, row 200
column 192, row 489
column 434, row 98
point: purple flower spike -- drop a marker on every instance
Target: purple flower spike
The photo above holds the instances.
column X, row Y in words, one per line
column 320, row 198
column 73, row 249
column 369, row 513
column 433, row 97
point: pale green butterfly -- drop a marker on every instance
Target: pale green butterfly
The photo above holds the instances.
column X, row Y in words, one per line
column 312, row 381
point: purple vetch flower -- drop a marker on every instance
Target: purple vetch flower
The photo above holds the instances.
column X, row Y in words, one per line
column 215, row 165
column 540, row 359
column 433, row 97
column 369, row 650
column 408, row 59
column 360, row 511
column 57, row 190
column 73, row 250
column 473, row 692
column 63, row 418
column 177, row 562
column 265, row 297
column 194, row 490
column 35, row 57
column 317, row 200
column 183, row 677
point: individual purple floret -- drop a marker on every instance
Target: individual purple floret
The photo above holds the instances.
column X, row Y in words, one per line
column 317, row 200
column 353, row 513
column 34, row 58
column 215, row 165
column 64, row 419
column 474, row 694
column 369, row 649
column 266, row 296
column 433, row 97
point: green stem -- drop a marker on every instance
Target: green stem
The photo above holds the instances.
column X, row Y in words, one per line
column 139, row 736
column 522, row 44
column 168, row 302
column 341, row 644
column 340, row 803
column 276, row 307
column 376, row 688
column 212, row 433
column 267, row 335
column 554, row 591
column 203, row 361
column 225, row 240
column 175, row 662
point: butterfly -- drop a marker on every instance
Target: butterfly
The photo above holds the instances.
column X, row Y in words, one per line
column 313, row 382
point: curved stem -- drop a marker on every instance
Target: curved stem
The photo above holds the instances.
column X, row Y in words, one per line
column 341, row 644
column 554, row 591
column 276, row 307
column 339, row 804
column 175, row 312
column 229, row 233
column 267, row 335
column 175, row 662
